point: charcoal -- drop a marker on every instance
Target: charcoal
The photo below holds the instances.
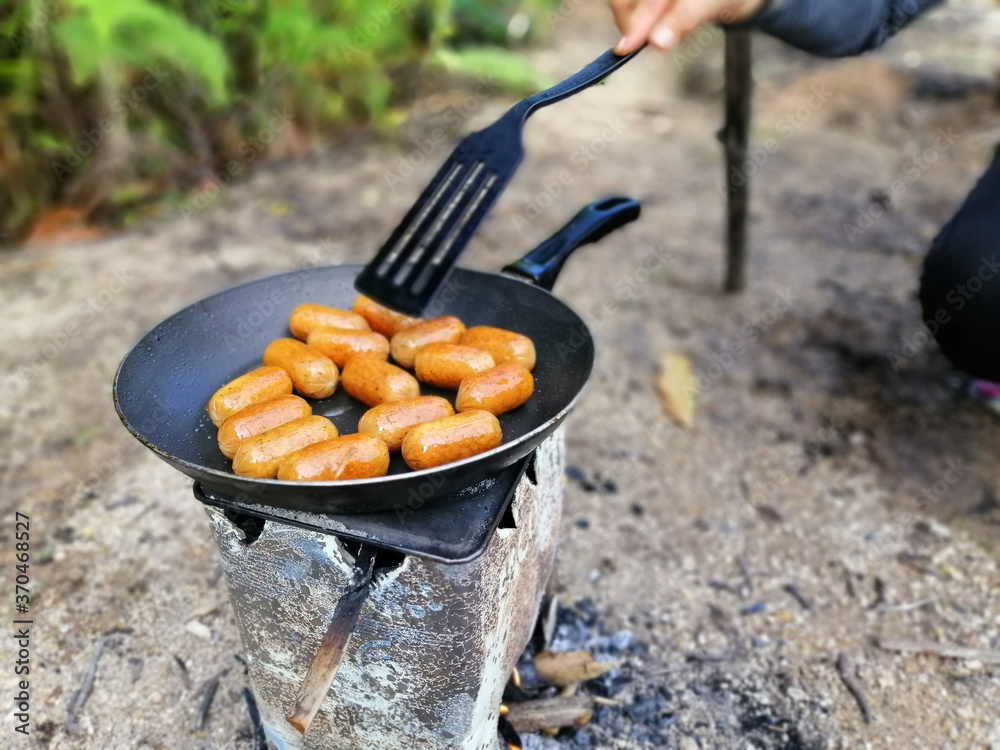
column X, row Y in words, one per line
column 645, row 710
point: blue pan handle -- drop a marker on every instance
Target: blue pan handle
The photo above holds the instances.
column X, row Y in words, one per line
column 542, row 265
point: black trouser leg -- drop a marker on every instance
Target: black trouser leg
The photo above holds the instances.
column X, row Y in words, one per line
column 960, row 287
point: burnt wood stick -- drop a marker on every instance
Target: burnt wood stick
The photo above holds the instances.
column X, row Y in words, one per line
column 735, row 138
column 551, row 713
column 79, row 699
column 259, row 738
column 325, row 664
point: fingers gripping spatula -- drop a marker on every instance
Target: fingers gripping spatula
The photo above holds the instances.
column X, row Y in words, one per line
column 414, row 262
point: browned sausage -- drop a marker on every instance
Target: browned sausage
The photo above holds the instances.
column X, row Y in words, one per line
column 313, row 374
column 261, row 455
column 345, row 457
column 308, row 317
column 259, row 418
column 498, row 391
column 382, row 319
column 374, row 381
column 392, row 421
column 505, row 346
column 340, row 344
column 446, row 329
column 451, row 439
column 447, row 365
column 263, row 384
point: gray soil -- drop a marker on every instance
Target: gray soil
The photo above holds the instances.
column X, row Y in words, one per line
column 807, row 464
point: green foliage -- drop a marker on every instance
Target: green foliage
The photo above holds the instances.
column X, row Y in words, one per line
column 96, row 34
column 112, row 103
column 509, row 71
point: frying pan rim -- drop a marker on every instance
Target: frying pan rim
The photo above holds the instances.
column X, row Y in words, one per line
column 348, row 484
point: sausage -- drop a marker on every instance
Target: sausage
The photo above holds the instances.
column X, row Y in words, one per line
column 263, row 384
column 504, row 346
column 382, row 319
column 447, row 365
column 498, row 391
column 261, row 455
column 446, row 329
column 392, row 421
column 259, row 418
column 345, row 457
column 340, row 344
column 308, row 317
column 313, row 374
column 374, row 381
column 451, row 439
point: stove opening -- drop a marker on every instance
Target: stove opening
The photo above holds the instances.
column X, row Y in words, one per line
column 507, row 520
column 529, row 470
column 251, row 526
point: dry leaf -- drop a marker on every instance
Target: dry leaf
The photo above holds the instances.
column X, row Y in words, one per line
column 63, row 224
column 566, row 668
column 676, row 384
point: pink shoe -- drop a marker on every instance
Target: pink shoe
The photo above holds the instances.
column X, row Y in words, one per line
column 987, row 393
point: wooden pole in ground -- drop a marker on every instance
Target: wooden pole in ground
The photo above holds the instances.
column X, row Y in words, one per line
column 735, row 137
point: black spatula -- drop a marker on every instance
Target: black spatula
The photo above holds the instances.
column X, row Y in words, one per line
column 410, row 267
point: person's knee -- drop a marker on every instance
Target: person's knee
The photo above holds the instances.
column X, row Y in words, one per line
column 960, row 292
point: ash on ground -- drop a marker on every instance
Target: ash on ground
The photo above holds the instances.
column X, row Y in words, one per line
column 704, row 701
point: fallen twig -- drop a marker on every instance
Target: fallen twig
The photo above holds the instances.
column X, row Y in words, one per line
column 185, row 675
column 551, row 713
column 602, row 701
column 209, row 695
column 853, row 684
column 798, row 596
column 945, row 650
column 259, row 738
column 907, row 606
column 79, row 698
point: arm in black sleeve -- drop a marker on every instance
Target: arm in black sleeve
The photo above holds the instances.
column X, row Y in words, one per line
column 837, row 28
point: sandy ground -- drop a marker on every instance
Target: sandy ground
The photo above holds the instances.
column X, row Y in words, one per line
column 806, row 463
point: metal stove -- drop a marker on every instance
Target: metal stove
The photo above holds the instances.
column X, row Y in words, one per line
column 454, row 600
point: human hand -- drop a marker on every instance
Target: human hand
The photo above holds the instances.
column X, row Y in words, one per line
column 663, row 23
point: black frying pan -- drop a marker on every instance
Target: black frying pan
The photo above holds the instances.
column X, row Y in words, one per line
column 163, row 385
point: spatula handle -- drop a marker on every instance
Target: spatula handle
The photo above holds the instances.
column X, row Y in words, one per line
column 597, row 71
